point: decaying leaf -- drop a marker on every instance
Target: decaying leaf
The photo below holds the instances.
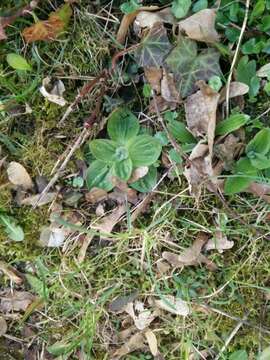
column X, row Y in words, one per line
column 136, row 342
column 168, row 89
column 154, row 47
column 143, row 317
column 236, row 89
column 10, row 272
column 201, row 26
column 119, row 304
column 149, row 19
column 153, row 76
column 161, row 104
column 3, row 324
column 152, row 342
column 32, row 200
column 173, row 305
column 16, row 301
column 189, row 67
column 264, row 71
column 3, row 35
column 261, row 190
column 95, row 195
column 219, row 242
column 228, row 150
column 52, row 236
column 201, row 109
column 108, row 222
column 49, row 29
column 18, row 175
column 56, row 94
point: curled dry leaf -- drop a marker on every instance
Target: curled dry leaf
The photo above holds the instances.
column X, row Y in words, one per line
column 18, row 175
column 219, row 242
column 10, row 272
column 95, row 195
column 46, row 199
column 152, row 342
column 144, row 317
column 16, row 301
column 108, row 222
column 52, row 236
column 3, row 326
column 153, row 76
column 173, row 305
column 200, row 150
column 56, row 94
column 149, row 19
column 136, row 342
column 201, row 26
column 168, row 88
column 228, row 150
column 236, row 89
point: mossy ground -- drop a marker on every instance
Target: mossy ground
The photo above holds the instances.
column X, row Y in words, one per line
column 76, row 307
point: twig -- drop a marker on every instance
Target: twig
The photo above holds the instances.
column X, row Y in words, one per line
column 235, row 57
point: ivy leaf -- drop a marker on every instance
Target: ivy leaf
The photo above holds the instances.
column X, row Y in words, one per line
column 154, row 47
column 188, row 66
column 14, row 232
column 180, row 8
column 98, row 175
column 122, row 125
column 144, row 150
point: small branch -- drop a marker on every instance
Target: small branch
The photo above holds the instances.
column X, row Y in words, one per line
column 235, row 57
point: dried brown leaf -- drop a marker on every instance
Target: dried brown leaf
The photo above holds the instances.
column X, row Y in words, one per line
column 46, row 199
column 108, row 222
column 261, row 190
column 119, row 304
column 16, row 301
column 52, row 236
column 136, row 342
column 153, row 76
column 3, row 35
column 3, row 326
column 10, row 272
column 143, row 317
column 152, row 342
column 95, row 195
column 149, row 19
column 56, row 94
column 173, row 305
column 161, row 104
column 168, row 88
column 18, row 175
column 236, row 89
column 219, row 242
column 201, row 26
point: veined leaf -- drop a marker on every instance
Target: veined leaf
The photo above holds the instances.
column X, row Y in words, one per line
column 17, row 62
column 146, row 183
column 232, row 123
column 144, row 150
column 104, row 150
column 179, row 131
column 123, row 169
column 260, row 161
column 154, row 47
column 98, row 175
column 122, row 125
column 260, row 143
column 237, row 183
column 246, row 73
column 13, row 231
column 188, row 66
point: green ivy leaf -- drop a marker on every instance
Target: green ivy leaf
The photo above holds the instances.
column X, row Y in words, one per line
column 17, row 62
column 188, row 66
column 180, row 133
column 144, row 150
column 14, row 232
column 123, row 169
column 122, row 125
column 231, row 124
column 180, row 8
column 104, row 150
column 98, row 175
column 260, row 143
column 154, row 47
column 148, row 182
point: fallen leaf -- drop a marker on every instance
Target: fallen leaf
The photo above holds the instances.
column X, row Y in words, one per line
column 153, row 48
column 18, row 175
column 85, row 244
column 108, row 222
column 264, row 71
column 153, row 76
column 95, row 195
column 49, row 29
column 168, row 88
column 136, row 342
column 201, row 109
column 16, row 301
column 219, row 242
column 152, row 342
column 161, row 104
column 200, row 150
column 144, row 317
column 3, row 35
column 10, row 272
column 236, row 89
column 46, row 199
column 3, row 326
column 52, row 236
column 261, row 190
column 138, row 173
column 56, row 94
column 189, row 67
column 122, row 196
column 119, row 304
column 173, row 305
column 228, row 150
column 201, row 26
column 149, row 19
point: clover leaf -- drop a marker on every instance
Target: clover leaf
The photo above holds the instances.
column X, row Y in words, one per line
column 124, row 151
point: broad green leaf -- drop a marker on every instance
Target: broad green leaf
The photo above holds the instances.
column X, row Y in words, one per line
column 153, row 47
column 232, row 34
column 265, row 355
column 257, row 10
column 180, row 8
column 17, row 62
column 200, row 5
column 267, row 88
column 244, row 166
column 130, row 6
column 232, row 123
column 98, row 175
column 175, row 156
column 260, row 161
column 233, row 11
column 147, row 183
column 265, row 23
column 260, row 143
column 123, row 169
column 162, row 137
column 180, row 133
column 246, row 73
column 188, row 66
column 144, row 150
column 239, row 355
column 104, row 150
column 237, row 183
column 122, row 125
column 252, row 46
column 14, row 232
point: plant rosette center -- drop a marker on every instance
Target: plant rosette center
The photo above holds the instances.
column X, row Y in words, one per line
column 121, row 153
